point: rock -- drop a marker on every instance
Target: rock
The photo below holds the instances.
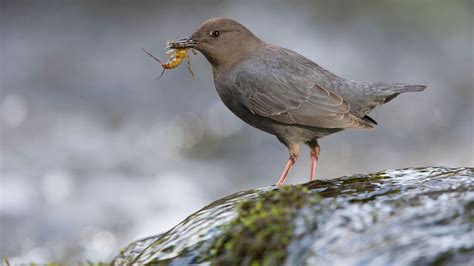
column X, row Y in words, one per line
column 415, row 216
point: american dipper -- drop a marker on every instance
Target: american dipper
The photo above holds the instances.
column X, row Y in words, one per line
column 282, row 92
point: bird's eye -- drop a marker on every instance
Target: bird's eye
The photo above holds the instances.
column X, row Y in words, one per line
column 215, row 33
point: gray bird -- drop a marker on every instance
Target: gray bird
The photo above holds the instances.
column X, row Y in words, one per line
column 282, row 92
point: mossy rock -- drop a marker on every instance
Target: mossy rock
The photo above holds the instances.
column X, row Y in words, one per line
column 415, row 216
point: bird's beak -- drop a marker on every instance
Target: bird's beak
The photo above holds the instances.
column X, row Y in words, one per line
column 187, row 42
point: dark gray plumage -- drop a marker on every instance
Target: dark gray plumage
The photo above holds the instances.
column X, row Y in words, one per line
column 282, row 92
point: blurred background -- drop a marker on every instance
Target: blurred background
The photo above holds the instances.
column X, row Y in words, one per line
column 96, row 153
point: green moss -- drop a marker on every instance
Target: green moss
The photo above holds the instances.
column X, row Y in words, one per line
column 364, row 178
column 261, row 232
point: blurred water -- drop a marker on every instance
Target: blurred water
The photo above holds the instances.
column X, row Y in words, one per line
column 95, row 152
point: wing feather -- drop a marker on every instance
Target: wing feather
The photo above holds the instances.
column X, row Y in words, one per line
column 291, row 99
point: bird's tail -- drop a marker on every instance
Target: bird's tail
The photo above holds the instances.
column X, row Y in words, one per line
column 392, row 90
column 402, row 87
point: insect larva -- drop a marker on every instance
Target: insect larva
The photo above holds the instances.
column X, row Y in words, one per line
column 175, row 60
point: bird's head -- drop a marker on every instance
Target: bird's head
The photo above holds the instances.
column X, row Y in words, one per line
column 223, row 41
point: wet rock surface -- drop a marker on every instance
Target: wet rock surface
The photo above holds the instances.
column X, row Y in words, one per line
column 415, row 216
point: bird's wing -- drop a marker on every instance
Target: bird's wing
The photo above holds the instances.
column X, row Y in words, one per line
column 284, row 95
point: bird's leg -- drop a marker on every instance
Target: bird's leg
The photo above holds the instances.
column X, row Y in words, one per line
column 294, row 154
column 315, row 149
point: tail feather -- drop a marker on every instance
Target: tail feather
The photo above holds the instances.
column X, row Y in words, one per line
column 370, row 120
column 398, row 88
column 409, row 88
column 373, row 94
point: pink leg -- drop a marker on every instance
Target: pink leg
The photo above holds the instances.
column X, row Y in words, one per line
column 287, row 169
column 314, row 159
column 294, row 154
